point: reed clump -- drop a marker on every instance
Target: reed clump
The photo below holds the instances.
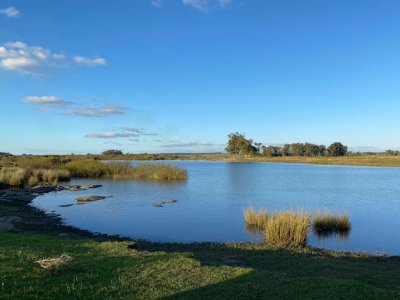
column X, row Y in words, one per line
column 20, row 177
column 256, row 218
column 288, row 228
column 326, row 221
column 90, row 168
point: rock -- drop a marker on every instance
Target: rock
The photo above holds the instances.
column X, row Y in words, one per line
column 90, row 198
column 74, row 188
column 169, row 201
column 157, row 205
column 93, row 186
column 65, row 205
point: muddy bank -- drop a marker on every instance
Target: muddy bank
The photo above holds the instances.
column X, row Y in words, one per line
column 17, row 215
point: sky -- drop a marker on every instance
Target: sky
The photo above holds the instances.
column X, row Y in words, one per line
column 163, row 76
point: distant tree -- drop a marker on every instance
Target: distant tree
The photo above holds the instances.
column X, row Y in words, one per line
column 322, row 150
column 298, row 149
column 337, row 149
column 5, row 154
column 112, row 152
column 271, row 151
column 286, row 150
column 239, row 145
column 311, row 149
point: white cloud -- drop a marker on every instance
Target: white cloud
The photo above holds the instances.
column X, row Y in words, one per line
column 156, row 3
column 35, row 60
column 10, row 12
column 46, row 100
column 18, row 56
column 18, row 63
column 98, row 112
column 205, row 5
column 97, row 61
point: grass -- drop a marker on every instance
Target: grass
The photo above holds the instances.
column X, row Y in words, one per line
column 16, row 176
column 328, row 222
column 89, row 168
column 256, row 218
column 287, row 229
column 107, row 269
column 33, row 170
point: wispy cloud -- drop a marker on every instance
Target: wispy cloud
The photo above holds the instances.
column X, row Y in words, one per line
column 140, row 131
column 36, row 60
column 111, row 135
column 156, row 3
column 97, row 61
column 98, row 112
column 205, row 5
column 10, row 12
column 46, row 100
column 188, row 145
column 127, row 132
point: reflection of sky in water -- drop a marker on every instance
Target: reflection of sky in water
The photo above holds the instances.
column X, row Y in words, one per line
column 211, row 203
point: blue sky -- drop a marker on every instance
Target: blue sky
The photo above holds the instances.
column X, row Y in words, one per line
column 179, row 75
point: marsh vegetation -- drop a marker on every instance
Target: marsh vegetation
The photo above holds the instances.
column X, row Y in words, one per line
column 31, row 171
column 292, row 228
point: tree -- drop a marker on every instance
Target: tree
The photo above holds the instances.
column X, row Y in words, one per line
column 298, row 149
column 239, row 145
column 112, row 152
column 286, row 150
column 311, row 149
column 322, row 150
column 271, row 151
column 337, row 149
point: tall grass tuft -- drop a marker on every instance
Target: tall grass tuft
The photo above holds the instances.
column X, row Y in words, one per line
column 288, row 228
column 256, row 218
column 325, row 221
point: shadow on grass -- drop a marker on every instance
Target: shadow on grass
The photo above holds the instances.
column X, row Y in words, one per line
column 290, row 273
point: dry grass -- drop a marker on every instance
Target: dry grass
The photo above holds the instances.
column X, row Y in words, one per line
column 56, row 263
column 325, row 221
column 90, row 168
column 288, row 228
column 256, row 218
column 16, row 176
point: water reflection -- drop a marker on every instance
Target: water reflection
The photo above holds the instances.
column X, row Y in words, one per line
column 323, row 234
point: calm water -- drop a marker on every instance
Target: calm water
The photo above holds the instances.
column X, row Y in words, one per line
column 210, row 204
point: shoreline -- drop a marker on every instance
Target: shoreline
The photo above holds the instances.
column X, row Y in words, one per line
column 113, row 267
column 29, row 219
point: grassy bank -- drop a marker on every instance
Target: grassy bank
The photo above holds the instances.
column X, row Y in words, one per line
column 106, row 268
column 31, row 171
column 109, row 269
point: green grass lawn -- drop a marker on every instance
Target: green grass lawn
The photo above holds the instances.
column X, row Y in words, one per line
column 105, row 269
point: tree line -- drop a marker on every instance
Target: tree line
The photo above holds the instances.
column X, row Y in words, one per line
column 239, row 145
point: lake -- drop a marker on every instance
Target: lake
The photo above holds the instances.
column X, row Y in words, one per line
column 210, row 204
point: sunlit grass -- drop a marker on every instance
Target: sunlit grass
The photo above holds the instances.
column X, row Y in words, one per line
column 256, row 218
column 288, row 228
column 16, row 176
